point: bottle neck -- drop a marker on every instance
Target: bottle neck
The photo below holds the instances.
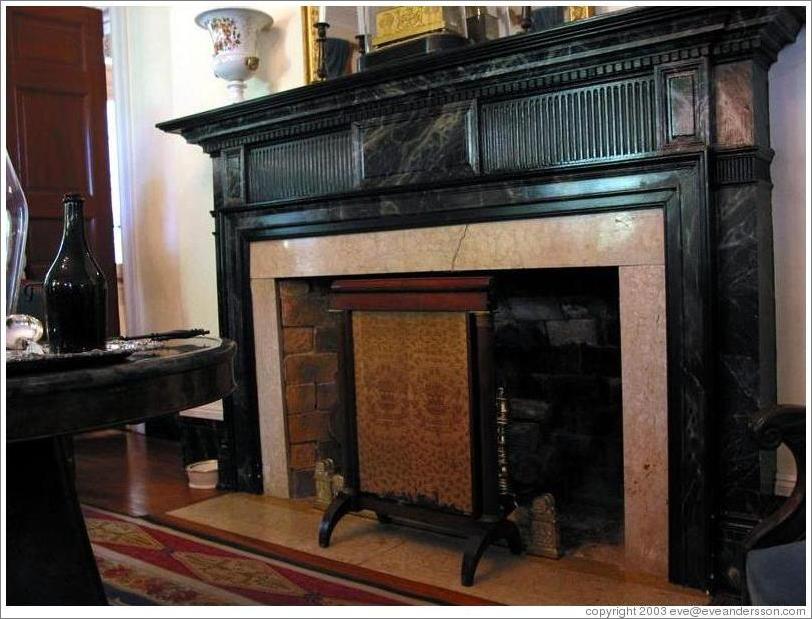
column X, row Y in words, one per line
column 73, row 234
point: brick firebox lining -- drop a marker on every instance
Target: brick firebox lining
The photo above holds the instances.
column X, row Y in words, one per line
column 310, row 365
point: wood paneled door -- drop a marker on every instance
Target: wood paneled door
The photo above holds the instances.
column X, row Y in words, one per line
column 57, row 130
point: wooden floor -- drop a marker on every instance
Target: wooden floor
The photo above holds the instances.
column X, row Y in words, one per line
column 131, row 474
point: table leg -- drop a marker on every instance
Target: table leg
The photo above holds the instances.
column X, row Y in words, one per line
column 49, row 559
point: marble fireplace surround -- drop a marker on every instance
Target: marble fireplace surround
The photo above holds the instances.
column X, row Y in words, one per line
column 671, row 103
column 633, row 241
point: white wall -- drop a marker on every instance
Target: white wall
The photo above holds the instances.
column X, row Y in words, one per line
column 788, row 107
column 171, row 257
column 171, row 76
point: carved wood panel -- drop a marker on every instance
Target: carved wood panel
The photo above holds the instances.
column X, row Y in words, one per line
column 413, row 406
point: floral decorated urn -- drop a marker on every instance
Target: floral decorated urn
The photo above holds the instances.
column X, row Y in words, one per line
column 234, row 33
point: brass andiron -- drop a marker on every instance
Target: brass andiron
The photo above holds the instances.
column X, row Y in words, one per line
column 545, row 537
column 323, row 477
column 502, row 418
column 328, row 482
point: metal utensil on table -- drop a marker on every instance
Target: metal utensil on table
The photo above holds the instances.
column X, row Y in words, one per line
column 177, row 334
column 22, row 331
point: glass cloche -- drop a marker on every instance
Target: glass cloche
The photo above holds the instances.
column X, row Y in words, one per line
column 15, row 228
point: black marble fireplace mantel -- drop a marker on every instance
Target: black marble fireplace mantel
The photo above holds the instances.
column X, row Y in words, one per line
column 658, row 107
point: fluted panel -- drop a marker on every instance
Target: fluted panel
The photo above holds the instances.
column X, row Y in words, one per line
column 581, row 124
column 739, row 169
column 311, row 166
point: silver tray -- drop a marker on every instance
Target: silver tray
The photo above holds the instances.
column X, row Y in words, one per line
column 115, row 351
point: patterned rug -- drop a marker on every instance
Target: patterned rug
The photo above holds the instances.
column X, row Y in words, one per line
column 146, row 564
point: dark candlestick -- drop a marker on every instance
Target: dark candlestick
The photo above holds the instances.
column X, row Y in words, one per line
column 362, row 43
column 527, row 18
column 321, row 40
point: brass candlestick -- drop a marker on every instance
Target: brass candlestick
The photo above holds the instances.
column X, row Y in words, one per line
column 502, row 418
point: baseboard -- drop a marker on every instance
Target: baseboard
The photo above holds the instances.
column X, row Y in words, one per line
column 212, row 411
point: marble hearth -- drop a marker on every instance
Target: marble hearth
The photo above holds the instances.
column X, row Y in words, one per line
column 632, row 241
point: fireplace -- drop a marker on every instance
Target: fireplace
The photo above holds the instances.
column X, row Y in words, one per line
column 636, row 142
column 610, row 264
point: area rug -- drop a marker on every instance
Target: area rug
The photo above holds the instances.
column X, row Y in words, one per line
column 146, row 564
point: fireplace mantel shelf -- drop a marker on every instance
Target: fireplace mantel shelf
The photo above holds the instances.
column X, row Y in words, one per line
column 726, row 33
column 655, row 108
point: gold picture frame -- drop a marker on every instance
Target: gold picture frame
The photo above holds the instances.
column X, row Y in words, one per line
column 310, row 15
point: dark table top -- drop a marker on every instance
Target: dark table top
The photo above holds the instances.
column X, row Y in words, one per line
column 180, row 375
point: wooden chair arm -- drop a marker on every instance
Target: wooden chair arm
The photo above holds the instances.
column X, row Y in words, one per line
column 771, row 427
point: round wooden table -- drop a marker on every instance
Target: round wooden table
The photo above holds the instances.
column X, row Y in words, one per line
column 49, row 558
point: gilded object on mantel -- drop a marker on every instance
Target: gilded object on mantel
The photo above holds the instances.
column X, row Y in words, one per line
column 575, row 13
column 404, row 22
column 385, row 27
column 549, row 16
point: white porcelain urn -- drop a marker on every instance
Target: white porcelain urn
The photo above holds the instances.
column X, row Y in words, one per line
column 234, row 33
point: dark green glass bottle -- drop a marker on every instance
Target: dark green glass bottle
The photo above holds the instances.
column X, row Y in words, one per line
column 75, row 288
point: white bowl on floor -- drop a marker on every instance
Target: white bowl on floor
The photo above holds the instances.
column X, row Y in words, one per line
column 203, row 474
